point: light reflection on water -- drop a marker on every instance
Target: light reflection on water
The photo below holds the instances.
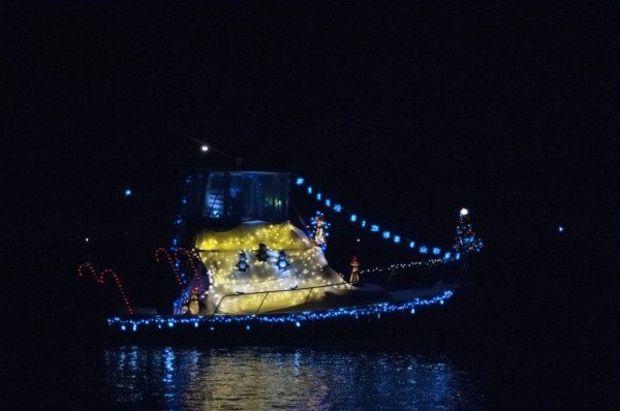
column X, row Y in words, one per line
column 264, row 378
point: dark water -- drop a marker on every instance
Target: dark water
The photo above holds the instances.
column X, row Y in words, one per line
column 269, row 378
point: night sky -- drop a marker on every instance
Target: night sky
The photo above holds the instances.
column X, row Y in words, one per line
column 405, row 112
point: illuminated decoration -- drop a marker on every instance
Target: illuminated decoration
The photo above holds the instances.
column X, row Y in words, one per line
column 355, row 271
column 86, row 239
column 282, row 261
column 262, row 265
column 403, row 266
column 174, row 257
column 464, row 212
column 319, row 227
column 262, row 252
column 172, row 262
column 466, row 240
column 100, row 280
column 560, row 229
column 204, row 148
column 373, row 310
column 375, row 228
column 127, row 192
column 242, row 265
column 194, row 304
column 265, row 286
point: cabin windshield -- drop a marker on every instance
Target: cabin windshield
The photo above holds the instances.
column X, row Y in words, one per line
column 232, row 197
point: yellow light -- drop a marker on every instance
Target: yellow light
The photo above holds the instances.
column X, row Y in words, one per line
column 220, row 252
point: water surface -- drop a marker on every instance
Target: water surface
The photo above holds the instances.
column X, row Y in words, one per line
column 269, row 378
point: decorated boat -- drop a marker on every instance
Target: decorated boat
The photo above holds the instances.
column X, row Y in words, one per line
column 242, row 261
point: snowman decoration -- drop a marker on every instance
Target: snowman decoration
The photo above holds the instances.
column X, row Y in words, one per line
column 194, row 304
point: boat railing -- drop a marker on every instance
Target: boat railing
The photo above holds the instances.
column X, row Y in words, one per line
column 267, row 293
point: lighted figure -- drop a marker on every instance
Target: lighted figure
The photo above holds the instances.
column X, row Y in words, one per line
column 282, row 261
column 262, row 254
column 319, row 231
column 243, row 265
column 194, row 304
column 355, row 271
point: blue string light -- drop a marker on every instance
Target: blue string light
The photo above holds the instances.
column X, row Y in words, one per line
column 386, row 234
column 293, row 318
column 353, row 218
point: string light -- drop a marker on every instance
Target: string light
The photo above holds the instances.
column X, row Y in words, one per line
column 100, row 279
column 173, row 257
column 296, row 319
column 375, row 228
column 403, row 266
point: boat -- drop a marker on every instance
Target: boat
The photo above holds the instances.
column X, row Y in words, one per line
column 243, row 262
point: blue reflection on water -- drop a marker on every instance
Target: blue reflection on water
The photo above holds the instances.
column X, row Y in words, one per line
column 259, row 378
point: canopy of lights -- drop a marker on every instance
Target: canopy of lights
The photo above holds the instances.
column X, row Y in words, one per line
column 261, row 267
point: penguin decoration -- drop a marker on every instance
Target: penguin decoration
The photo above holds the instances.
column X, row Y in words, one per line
column 242, row 265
